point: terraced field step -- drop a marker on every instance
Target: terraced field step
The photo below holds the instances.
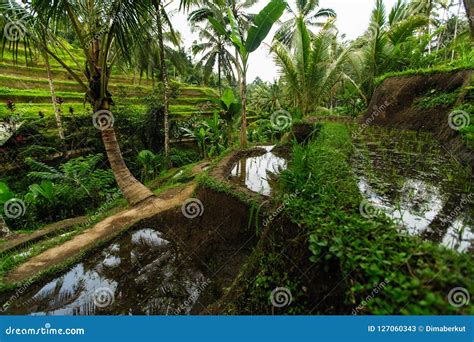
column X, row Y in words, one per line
column 31, row 83
column 30, row 111
column 59, row 74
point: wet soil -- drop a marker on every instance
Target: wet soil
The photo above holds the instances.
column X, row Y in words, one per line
column 168, row 264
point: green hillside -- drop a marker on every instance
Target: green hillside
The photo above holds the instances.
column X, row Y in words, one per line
column 25, row 82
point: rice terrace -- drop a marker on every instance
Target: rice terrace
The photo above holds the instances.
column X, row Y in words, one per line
column 236, row 157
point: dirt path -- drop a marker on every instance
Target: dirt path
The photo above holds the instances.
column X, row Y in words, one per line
column 103, row 230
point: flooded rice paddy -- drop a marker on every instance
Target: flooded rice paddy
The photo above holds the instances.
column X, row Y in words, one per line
column 418, row 183
column 139, row 273
column 258, row 173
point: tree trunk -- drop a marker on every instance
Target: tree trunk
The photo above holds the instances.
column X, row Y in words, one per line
column 455, row 32
column 469, row 5
column 219, row 66
column 4, row 231
column 164, row 75
column 243, row 95
column 57, row 113
column 131, row 188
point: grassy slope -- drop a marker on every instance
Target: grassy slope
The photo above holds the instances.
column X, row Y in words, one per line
column 27, row 85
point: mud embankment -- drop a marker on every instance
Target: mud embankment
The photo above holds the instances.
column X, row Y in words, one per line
column 394, row 105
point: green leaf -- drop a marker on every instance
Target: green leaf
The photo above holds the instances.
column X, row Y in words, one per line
column 5, row 192
column 219, row 27
column 236, row 37
column 228, row 97
column 263, row 23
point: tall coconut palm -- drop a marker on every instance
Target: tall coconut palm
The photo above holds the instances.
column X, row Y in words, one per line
column 312, row 67
column 163, row 20
column 469, row 6
column 106, row 30
column 390, row 43
column 28, row 32
column 306, row 10
column 213, row 47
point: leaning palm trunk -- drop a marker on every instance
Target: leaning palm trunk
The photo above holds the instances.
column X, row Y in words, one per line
column 131, row 188
column 164, row 75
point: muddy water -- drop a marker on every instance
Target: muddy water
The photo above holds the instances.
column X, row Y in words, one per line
column 258, row 173
column 139, row 273
column 418, row 183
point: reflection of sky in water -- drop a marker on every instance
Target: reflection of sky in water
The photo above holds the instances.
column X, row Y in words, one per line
column 405, row 212
column 257, row 171
column 79, row 284
column 141, row 270
column 416, row 207
column 458, row 236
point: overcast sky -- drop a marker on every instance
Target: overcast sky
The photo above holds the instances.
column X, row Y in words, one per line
column 352, row 20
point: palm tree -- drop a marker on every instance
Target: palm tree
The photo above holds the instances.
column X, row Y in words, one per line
column 390, row 43
column 213, row 45
column 163, row 20
column 313, row 67
column 469, row 6
column 38, row 33
column 106, row 31
column 247, row 36
column 306, row 10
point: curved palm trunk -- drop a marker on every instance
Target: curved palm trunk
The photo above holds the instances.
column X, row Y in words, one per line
column 131, row 188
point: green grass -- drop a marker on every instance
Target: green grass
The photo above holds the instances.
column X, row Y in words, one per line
column 419, row 274
column 436, row 98
column 423, row 71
